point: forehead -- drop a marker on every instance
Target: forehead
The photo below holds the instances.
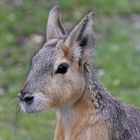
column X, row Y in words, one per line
column 47, row 53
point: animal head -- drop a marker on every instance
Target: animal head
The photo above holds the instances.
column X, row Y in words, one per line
column 56, row 78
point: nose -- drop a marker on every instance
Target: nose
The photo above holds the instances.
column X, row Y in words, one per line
column 26, row 97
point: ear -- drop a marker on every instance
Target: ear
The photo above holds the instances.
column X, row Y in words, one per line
column 55, row 29
column 82, row 38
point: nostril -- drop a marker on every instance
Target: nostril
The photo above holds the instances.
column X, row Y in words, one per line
column 28, row 99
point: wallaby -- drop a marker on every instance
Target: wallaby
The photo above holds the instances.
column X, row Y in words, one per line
column 62, row 77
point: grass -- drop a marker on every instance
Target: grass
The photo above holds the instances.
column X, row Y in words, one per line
column 116, row 57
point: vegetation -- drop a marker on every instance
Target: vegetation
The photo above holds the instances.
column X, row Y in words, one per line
column 117, row 55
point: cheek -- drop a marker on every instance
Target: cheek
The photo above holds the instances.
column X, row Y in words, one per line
column 65, row 91
column 72, row 93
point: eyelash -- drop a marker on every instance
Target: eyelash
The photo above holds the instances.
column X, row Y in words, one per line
column 62, row 68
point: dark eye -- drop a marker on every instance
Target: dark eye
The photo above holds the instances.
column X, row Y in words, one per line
column 62, row 68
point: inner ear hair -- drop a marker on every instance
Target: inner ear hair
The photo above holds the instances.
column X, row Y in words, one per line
column 83, row 41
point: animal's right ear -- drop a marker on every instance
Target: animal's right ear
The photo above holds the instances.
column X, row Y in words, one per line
column 55, row 29
column 82, row 39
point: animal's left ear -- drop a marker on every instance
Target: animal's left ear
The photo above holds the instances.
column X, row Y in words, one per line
column 55, row 29
column 82, row 38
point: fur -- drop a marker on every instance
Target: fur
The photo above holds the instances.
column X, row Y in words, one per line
column 85, row 110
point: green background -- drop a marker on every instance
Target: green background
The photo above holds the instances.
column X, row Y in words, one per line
column 22, row 31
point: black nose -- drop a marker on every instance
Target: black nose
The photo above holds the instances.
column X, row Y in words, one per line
column 26, row 97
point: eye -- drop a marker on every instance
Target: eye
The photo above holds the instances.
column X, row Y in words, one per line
column 62, row 68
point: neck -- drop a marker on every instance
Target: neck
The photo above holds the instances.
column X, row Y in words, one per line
column 71, row 120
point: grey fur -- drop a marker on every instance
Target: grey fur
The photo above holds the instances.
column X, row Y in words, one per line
column 124, row 120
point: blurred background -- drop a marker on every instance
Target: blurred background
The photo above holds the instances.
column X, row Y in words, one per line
column 22, row 31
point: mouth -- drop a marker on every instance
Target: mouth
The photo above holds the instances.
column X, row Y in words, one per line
column 32, row 104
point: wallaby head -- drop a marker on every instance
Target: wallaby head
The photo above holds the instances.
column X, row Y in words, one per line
column 56, row 78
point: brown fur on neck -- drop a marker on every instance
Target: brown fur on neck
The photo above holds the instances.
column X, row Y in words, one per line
column 84, row 122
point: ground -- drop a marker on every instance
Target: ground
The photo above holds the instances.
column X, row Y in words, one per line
column 22, row 31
